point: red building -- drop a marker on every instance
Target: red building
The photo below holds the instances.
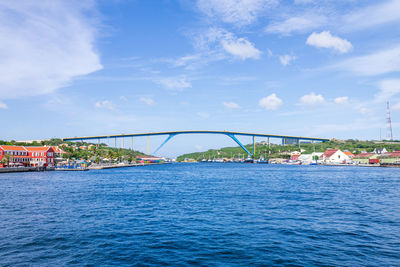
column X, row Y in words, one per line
column 18, row 156
column 42, row 156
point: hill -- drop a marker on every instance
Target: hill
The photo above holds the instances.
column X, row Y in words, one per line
column 275, row 151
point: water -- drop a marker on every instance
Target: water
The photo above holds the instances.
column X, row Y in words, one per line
column 202, row 214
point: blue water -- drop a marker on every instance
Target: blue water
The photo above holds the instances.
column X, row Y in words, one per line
column 202, row 214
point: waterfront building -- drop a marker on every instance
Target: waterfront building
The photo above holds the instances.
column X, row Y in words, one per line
column 349, row 154
column 390, row 158
column 58, row 151
column 41, row 156
column 366, row 158
column 18, row 156
column 309, row 158
column 334, row 156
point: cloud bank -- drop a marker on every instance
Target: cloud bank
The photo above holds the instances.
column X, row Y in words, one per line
column 44, row 45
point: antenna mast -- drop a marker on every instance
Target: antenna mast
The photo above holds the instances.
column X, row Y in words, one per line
column 389, row 133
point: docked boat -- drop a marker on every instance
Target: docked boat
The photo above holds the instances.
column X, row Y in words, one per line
column 248, row 160
column 262, row 161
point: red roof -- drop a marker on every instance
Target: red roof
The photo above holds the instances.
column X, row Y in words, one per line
column 12, row 148
column 39, row 148
column 57, row 149
column 364, row 155
column 329, row 152
column 391, row 155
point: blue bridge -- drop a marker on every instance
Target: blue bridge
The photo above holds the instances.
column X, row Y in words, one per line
column 169, row 135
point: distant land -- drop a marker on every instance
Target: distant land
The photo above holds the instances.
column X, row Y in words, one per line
column 279, row 151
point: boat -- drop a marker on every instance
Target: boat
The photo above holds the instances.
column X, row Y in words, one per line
column 262, row 161
column 249, row 160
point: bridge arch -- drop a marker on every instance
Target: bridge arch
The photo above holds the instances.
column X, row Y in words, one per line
column 171, row 134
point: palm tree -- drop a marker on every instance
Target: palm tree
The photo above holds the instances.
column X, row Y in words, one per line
column 7, row 158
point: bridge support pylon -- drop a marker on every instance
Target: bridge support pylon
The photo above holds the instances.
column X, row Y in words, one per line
column 238, row 142
column 254, row 145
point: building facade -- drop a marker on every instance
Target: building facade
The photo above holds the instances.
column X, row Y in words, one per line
column 334, row 156
column 41, row 156
column 13, row 156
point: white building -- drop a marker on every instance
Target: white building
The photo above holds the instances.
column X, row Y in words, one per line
column 308, row 158
column 334, row 156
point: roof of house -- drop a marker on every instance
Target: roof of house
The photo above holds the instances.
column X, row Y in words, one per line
column 329, row 152
column 12, row 148
column 349, row 153
column 39, row 148
column 364, row 155
column 58, row 150
column 391, row 155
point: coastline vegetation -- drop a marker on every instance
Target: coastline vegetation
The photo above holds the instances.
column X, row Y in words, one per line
column 283, row 151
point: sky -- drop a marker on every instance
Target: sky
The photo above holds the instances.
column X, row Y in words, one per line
column 295, row 67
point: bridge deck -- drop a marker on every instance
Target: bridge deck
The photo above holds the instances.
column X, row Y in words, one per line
column 194, row 132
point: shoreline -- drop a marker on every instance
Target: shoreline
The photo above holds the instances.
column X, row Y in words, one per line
column 101, row 167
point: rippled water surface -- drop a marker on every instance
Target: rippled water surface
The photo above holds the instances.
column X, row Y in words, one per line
column 202, row 214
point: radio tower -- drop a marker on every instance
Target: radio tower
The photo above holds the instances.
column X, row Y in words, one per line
column 389, row 133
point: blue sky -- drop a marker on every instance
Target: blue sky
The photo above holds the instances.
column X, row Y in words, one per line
column 300, row 67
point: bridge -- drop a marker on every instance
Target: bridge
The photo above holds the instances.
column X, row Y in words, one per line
column 232, row 135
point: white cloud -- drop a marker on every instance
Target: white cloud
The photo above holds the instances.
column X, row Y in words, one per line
column 3, row 105
column 312, row 99
column 237, row 12
column 148, row 101
column 388, row 88
column 44, row 45
column 385, row 12
column 297, row 24
column 326, row 40
column 198, row 147
column 286, row 59
column 123, row 98
column 341, row 100
column 384, row 61
column 175, row 82
column 218, row 41
column 241, row 48
column 105, row 104
column 271, row 102
column 230, row 105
